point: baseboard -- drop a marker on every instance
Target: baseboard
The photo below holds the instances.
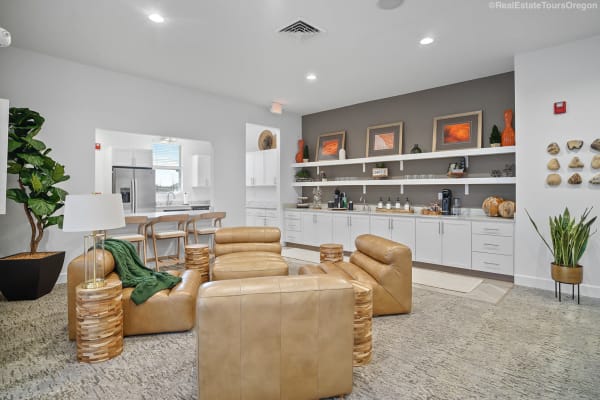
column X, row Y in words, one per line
column 548, row 284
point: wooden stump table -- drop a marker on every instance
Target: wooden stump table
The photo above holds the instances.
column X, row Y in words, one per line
column 99, row 325
column 363, row 323
column 197, row 257
column 331, row 252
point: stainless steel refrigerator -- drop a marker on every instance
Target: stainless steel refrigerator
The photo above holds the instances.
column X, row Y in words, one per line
column 136, row 186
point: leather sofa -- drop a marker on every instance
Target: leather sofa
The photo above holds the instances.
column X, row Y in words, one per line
column 248, row 252
column 275, row 338
column 166, row 311
column 381, row 263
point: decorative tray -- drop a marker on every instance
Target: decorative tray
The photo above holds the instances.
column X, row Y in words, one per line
column 394, row 211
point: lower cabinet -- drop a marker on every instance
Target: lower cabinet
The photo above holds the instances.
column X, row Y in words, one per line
column 347, row 227
column 262, row 217
column 398, row 229
column 443, row 242
column 316, row 228
column 479, row 245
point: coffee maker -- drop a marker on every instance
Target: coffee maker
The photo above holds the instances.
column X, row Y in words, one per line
column 446, row 202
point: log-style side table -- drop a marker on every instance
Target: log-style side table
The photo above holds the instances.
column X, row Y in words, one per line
column 197, row 256
column 331, row 252
column 99, row 322
column 363, row 323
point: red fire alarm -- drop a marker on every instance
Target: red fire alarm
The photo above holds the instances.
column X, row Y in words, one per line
column 560, row 107
column 98, row 146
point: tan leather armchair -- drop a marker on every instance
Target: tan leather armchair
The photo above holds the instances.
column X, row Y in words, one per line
column 248, row 252
column 383, row 264
column 167, row 311
column 275, row 338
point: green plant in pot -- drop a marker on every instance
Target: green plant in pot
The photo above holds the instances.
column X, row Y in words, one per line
column 569, row 242
column 305, row 153
column 32, row 274
column 495, row 137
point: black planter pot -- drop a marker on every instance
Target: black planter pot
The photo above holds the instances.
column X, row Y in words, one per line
column 30, row 279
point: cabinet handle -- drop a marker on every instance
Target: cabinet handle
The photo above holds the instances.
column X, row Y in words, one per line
column 391, row 224
column 439, row 228
column 490, row 263
column 350, row 220
column 442, row 224
column 491, row 244
column 490, row 229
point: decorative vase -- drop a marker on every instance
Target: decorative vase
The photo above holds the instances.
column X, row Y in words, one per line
column 342, row 154
column 300, row 152
column 416, row 149
column 571, row 275
column 508, row 135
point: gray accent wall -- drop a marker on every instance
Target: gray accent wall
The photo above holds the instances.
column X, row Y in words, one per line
column 492, row 95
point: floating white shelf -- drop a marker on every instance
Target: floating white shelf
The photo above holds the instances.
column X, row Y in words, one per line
column 488, row 151
column 412, row 182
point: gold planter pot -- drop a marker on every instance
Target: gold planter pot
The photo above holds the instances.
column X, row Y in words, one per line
column 571, row 275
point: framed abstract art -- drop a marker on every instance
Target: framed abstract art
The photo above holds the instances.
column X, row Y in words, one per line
column 384, row 140
column 329, row 145
column 457, row 131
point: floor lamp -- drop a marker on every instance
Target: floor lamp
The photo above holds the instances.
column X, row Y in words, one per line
column 93, row 213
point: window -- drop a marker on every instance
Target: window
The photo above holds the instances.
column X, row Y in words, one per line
column 166, row 160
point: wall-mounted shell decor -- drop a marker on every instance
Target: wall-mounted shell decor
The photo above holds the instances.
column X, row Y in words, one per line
column 576, row 163
column 574, row 144
column 553, row 148
column 575, row 179
column 553, row 180
column 553, row 165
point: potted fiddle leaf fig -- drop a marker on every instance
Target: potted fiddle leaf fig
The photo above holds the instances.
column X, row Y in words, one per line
column 30, row 275
column 569, row 241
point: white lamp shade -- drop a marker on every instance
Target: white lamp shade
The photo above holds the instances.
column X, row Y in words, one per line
column 93, row 212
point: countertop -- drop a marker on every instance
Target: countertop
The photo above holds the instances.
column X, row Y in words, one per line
column 467, row 216
column 156, row 214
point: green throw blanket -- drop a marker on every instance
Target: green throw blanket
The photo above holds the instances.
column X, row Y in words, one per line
column 133, row 273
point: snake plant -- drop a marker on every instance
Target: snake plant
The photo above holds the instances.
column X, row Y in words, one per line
column 569, row 237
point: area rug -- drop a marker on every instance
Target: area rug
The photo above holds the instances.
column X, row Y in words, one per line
column 529, row 346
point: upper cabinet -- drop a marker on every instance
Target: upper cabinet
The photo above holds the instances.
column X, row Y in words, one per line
column 201, row 170
column 262, row 168
column 132, row 157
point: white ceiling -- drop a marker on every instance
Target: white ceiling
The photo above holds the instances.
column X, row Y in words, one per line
column 232, row 48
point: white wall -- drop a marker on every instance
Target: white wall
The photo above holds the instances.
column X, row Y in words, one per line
column 569, row 72
column 76, row 99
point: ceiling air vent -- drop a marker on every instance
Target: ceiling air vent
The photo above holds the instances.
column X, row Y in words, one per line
column 300, row 28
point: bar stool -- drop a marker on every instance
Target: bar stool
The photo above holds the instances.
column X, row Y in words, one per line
column 214, row 217
column 138, row 238
column 178, row 234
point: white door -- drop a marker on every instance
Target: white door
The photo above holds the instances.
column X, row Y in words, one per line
column 381, row 226
column 456, row 243
column 359, row 225
column 309, row 229
column 322, row 229
column 428, row 241
column 201, row 170
column 250, row 158
column 259, row 169
column 403, row 231
column 341, row 230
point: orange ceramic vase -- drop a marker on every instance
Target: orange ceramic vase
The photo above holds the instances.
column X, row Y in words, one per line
column 508, row 135
column 300, row 152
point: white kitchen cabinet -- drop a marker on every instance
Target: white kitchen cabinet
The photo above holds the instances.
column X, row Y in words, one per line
column 201, row 170
column 456, row 246
column 399, row 229
column 131, row 157
column 293, row 227
column 428, row 238
column 346, row 227
column 493, row 247
column 316, row 228
column 444, row 242
column 262, row 217
column 262, row 168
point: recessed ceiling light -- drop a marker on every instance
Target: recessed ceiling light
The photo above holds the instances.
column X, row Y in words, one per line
column 389, row 4
column 159, row 19
column 426, row 40
column 311, row 77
